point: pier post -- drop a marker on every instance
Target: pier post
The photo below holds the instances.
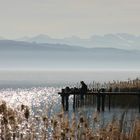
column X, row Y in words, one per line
column 98, row 102
column 103, row 102
column 63, row 99
column 139, row 102
column 138, row 90
column 109, row 102
column 74, row 102
column 67, row 102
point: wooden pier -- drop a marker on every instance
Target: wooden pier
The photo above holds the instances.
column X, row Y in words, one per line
column 100, row 98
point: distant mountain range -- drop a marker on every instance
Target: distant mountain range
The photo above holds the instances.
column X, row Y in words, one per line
column 119, row 40
column 32, row 55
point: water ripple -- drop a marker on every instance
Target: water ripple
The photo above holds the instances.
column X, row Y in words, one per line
column 35, row 97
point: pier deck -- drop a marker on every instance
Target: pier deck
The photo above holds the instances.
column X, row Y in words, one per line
column 99, row 95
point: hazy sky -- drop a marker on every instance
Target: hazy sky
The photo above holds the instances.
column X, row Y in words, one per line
column 63, row 18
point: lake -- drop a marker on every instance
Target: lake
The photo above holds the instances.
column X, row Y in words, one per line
column 38, row 89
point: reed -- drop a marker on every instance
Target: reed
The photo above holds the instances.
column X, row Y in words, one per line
column 20, row 125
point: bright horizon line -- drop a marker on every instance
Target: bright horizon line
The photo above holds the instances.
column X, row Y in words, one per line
column 54, row 70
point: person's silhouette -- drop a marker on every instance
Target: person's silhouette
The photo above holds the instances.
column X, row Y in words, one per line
column 83, row 89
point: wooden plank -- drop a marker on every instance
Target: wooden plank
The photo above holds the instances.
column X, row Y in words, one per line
column 105, row 93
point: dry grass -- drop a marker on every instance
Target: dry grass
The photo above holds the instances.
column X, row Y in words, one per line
column 120, row 86
column 19, row 125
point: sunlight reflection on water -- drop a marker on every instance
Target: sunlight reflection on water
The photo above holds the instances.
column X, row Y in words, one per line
column 35, row 97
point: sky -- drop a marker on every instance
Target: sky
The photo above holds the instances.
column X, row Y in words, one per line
column 65, row 18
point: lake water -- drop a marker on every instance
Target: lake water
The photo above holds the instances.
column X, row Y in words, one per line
column 24, row 79
column 38, row 89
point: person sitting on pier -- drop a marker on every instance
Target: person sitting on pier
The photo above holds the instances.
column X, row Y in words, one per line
column 83, row 89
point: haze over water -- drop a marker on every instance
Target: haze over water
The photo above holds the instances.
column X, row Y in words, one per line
column 59, row 78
